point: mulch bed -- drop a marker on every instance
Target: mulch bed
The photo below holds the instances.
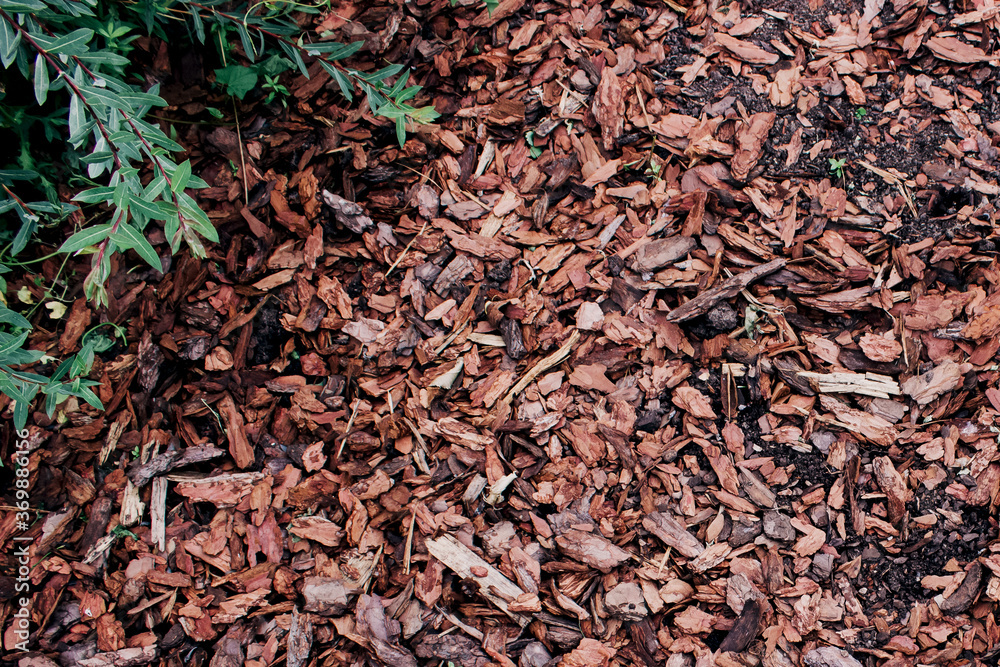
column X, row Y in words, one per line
column 673, row 342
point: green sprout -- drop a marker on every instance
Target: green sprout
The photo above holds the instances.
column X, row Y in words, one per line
column 275, row 89
column 837, row 166
column 535, row 151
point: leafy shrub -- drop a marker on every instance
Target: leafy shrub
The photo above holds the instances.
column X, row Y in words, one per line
column 73, row 56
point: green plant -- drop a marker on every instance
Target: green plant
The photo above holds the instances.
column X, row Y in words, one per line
column 837, row 166
column 386, row 90
column 860, row 113
column 655, row 169
column 489, row 4
column 22, row 386
column 105, row 119
column 533, row 150
column 86, row 128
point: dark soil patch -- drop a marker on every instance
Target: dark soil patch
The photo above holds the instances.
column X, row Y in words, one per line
column 891, row 575
column 268, row 334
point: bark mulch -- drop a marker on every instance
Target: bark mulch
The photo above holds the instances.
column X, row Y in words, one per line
column 673, row 342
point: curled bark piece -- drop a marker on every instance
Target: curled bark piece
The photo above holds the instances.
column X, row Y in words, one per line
column 966, row 593
column 704, row 302
column 745, row 629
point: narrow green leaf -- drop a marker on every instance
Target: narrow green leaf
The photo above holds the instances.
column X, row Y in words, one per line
column 199, row 26
column 8, row 316
column 346, row 88
column 9, row 41
column 112, row 60
column 137, row 99
column 148, row 209
column 76, row 120
column 408, row 94
column 129, row 237
column 13, row 343
column 203, row 227
column 248, row 46
column 155, row 188
column 401, row 130
column 41, row 79
column 20, row 415
column 382, row 74
column 97, row 195
column 91, row 398
column 28, row 225
column 85, row 238
column 398, row 87
column 296, row 57
column 101, row 97
column 71, row 44
column 18, row 6
column 181, row 175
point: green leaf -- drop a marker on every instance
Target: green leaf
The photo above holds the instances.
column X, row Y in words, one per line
column 407, row 94
column 85, row 238
column 398, row 87
column 237, row 79
column 8, row 316
column 10, row 389
column 76, row 120
column 296, row 57
column 13, row 343
column 70, row 44
column 136, row 98
column 97, row 195
column 334, row 50
column 41, row 79
column 149, row 209
column 382, row 74
column 248, row 46
column 424, row 115
column 346, row 88
column 199, row 26
column 91, row 398
column 20, row 414
column 17, row 6
column 9, row 41
column 28, row 226
column 129, row 237
column 99, row 96
column 401, row 130
column 491, row 5
column 181, row 175
column 274, row 65
column 112, row 60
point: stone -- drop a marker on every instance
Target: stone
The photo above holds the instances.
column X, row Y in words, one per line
column 723, row 317
column 534, row 655
column 830, row 656
column 499, row 539
column 823, row 565
column 744, row 532
column 625, row 601
column 778, row 527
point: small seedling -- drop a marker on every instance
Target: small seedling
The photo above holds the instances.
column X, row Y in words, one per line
column 752, row 320
column 275, row 89
column 860, row 113
column 535, row 151
column 837, row 166
column 655, row 168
